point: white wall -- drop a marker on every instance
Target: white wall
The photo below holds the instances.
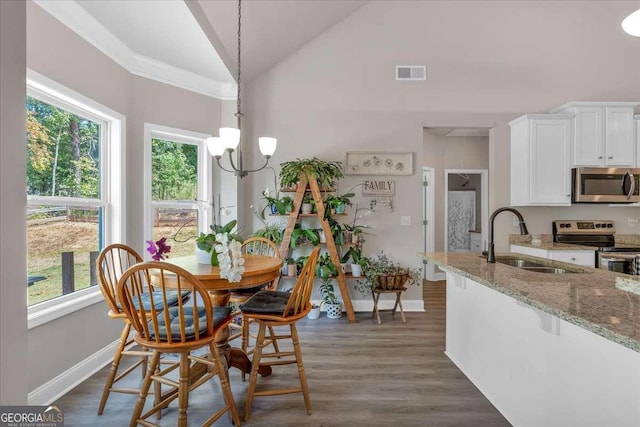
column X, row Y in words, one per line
column 13, row 269
column 487, row 63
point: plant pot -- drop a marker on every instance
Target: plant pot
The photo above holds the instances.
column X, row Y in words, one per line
column 391, row 281
column 203, row 257
column 323, row 238
column 292, row 269
column 285, row 269
column 306, row 208
column 334, row 311
column 340, row 208
column 355, row 238
column 344, row 267
column 314, row 313
column 274, row 209
column 356, row 270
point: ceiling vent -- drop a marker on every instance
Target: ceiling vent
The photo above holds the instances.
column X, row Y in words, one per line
column 411, row 72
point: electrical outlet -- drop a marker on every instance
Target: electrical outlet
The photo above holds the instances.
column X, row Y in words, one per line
column 405, row 221
column 632, row 222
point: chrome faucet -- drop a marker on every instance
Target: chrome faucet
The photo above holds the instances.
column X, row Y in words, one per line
column 491, row 255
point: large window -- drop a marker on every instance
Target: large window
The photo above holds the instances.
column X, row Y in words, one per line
column 179, row 183
column 74, row 200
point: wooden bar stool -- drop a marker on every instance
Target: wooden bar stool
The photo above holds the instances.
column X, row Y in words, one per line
column 375, row 294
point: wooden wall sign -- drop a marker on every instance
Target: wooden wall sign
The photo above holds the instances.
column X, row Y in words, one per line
column 379, row 187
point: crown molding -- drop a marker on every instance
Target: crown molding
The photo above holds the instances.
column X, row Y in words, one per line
column 72, row 15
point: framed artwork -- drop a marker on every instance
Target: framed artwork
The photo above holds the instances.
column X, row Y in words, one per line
column 378, row 163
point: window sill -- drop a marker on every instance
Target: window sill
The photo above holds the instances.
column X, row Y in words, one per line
column 47, row 311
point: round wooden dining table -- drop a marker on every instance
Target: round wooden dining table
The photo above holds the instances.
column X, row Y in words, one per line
column 258, row 269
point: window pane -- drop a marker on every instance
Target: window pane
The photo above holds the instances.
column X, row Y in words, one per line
column 63, row 152
column 57, row 236
column 179, row 226
column 174, row 170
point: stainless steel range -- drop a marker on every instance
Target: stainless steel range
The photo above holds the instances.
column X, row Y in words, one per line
column 600, row 234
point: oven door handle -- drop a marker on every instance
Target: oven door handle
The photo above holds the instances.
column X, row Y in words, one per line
column 632, row 184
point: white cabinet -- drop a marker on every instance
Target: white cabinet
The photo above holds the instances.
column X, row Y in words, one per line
column 541, row 160
column 524, row 359
column 603, row 133
column 476, row 241
column 585, row 257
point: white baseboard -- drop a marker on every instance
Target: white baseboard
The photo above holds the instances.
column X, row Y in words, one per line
column 367, row 305
column 57, row 387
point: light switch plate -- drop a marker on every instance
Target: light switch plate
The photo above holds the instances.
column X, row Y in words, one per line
column 405, row 221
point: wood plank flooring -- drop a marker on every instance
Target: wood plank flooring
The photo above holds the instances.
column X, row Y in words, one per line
column 360, row 374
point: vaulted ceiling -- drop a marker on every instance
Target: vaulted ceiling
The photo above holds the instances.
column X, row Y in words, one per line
column 193, row 43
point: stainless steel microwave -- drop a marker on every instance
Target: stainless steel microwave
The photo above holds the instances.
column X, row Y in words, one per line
column 605, row 185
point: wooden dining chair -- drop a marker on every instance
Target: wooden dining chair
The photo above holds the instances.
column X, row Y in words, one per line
column 254, row 246
column 111, row 263
column 178, row 329
column 273, row 308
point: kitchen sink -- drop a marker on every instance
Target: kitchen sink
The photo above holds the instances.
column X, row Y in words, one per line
column 520, row 263
column 535, row 266
column 551, row 270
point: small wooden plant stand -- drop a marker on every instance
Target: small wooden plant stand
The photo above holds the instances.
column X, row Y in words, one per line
column 375, row 294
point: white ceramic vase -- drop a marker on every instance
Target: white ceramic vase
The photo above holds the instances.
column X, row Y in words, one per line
column 203, row 257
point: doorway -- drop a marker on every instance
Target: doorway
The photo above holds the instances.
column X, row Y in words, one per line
column 466, row 210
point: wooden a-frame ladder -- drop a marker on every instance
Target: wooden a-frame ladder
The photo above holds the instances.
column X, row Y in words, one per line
column 311, row 183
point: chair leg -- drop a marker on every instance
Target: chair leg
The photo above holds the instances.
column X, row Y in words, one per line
column 224, row 384
column 245, row 340
column 273, row 340
column 183, row 390
column 144, row 389
column 301, row 373
column 114, row 367
column 255, row 364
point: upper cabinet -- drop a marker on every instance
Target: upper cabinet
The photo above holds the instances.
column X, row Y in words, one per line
column 541, row 160
column 603, row 133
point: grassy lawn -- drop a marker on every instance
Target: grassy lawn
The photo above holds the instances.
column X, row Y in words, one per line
column 46, row 242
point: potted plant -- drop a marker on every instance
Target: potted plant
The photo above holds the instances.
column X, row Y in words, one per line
column 207, row 242
column 300, row 235
column 315, row 312
column 278, row 206
column 273, row 232
column 380, row 271
column 357, row 261
column 339, row 203
column 325, row 267
column 325, row 172
column 307, row 206
column 292, row 267
column 329, row 298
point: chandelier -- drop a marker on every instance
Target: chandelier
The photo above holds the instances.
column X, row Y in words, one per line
column 229, row 138
column 631, row 24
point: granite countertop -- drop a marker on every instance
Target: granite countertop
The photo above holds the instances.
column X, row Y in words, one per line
column 588, row 298
column 551, row 246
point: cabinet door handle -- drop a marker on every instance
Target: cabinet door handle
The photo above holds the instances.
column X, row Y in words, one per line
column 573, row 258
column 599, row 157
column 610, row 157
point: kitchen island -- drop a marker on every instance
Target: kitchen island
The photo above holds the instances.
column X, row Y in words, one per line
column 545, row 349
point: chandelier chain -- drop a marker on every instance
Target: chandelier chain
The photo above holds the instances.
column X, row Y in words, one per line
column 239, row 113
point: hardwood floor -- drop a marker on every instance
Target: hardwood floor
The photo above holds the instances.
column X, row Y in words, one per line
column 360, row 374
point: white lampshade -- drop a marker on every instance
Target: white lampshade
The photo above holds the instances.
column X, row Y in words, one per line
column 230, row 137
column 215, row 146
column 267, row 145
column 631, row 24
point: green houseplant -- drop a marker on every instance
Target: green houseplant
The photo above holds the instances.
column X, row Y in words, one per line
column 206, row 242
column 381, row 271
column 325, row 172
